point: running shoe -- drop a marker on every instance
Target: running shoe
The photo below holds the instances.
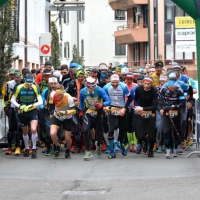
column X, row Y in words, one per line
column 134, row 148
column 98, row 149
column 112, row 155
column 168, row 152
column 23, row 151
column 182, row 146
column 139, row 148
column 44, row 150
column 34, row 153
column 116, row 148
column 92, row 146
column 26, row 153
column 17, row 151
column 82, row 148
column 107, row 151
column 73, row 149
column 150, row 153
column 175, row 153
column 30, row 151
column 160, row 149
column 155, row 147
column 123, row 151
column 8, row 151
column 47, row 152
column 103, row 147
column 88, row 155
column 13, row 148
column 67, row 153
column 180, row 150
column 57, row 151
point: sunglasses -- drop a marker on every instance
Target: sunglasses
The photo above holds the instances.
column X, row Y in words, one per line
column 90, row 85
column 63, row 72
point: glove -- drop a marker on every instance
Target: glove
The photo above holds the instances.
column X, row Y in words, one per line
column 26, row 108
column 61, row 113
column 167, row 108
column 98, row 106
column 22, row 107
column 175, row 107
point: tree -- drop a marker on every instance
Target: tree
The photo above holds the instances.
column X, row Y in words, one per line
column 76, row 56
column 7, row 38
column 55, row 46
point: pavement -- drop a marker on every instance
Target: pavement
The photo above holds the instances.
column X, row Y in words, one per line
column 131, row 177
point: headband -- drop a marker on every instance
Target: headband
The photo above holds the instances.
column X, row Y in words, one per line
column 59, row 91
column 147, row 80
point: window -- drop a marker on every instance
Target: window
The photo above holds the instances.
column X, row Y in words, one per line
column 155, row 52
column 61, row 51
column 146, row 51
column 81, row 16
column 169, row 12
column 66, row 17
column 136, row 48
column 168, row 27
column 66, row 50
column 120, row 49
column 82, row 47
column 60, row 19
column 168, row 52
column 179, row 12
column 120, row 15
column 188, row 55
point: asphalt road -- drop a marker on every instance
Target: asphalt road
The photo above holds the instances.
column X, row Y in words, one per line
column 132, row 177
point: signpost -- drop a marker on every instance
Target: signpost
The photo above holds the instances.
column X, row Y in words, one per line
column 45, row 44
column 192, row 8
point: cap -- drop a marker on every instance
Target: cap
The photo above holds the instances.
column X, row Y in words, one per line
column 11, row 71
column 163, row 77
column 57, row 73
column 140, row 78
column 159, row 64
column 48, row 63
column 114, row 77
column 172, row 75
column 147, row 79
column 125, row 71
column 53, row 80
column 28, row 79
column 91, row 82
column 171, row 83
column 176, row 68
column 129, row 75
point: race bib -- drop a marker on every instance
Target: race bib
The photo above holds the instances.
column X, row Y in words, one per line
column 92, row 102
column 61, row 118
column 147, row 114
column 115, row 111
column 93, row 113
column 172, row 113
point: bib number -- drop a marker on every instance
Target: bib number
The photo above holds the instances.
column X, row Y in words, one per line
column 172, row 113
column 147, row 114
column 115, row 111
column 93, row 113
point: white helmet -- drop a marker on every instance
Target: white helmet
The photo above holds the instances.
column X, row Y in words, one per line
column 125, row 71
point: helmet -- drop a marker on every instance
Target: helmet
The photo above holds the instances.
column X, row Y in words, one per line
column 122, row 65
column 125, row 71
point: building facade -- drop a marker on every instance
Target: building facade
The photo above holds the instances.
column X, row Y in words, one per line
column 151, row 33
column 33, row 20
column 92, row 31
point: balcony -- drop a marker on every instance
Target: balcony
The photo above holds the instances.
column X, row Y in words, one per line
column 125, row 4
column 131, row 33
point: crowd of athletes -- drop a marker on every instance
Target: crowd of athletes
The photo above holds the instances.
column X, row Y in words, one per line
column 107, row 109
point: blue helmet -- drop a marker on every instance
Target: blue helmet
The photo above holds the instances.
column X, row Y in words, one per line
column 73, row 65
column 79, row 66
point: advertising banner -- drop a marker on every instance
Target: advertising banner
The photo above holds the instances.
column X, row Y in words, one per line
column 184, row 22
column 186, row 46
column 185, row 34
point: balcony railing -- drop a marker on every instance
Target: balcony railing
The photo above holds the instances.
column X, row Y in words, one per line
column 142, row 63
column 134, row 25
